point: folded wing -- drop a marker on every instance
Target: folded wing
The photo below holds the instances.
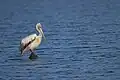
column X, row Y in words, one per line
column 26, row 42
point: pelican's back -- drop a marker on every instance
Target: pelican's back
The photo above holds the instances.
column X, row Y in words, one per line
column 28, row 38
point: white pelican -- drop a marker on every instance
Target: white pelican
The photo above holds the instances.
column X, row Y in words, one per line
column 32, row 41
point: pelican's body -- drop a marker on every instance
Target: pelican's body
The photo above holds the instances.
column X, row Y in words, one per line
column 32, row 41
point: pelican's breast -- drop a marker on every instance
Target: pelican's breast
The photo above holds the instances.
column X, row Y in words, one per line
column 35, row 43
column 38, row 40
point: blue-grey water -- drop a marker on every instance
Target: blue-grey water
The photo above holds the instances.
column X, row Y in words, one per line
column 82, row 39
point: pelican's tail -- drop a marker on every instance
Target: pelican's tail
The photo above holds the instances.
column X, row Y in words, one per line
column 21, row 49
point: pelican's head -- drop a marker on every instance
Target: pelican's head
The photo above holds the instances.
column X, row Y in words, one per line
column 38, row 26
column 39, row 29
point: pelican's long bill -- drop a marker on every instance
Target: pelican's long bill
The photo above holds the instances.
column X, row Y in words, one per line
column 42, row 34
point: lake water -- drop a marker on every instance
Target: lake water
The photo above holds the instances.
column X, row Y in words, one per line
column 83, row 39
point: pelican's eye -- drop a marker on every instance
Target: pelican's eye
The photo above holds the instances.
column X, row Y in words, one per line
column 40, row 26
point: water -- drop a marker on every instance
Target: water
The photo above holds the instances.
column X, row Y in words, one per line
column 83, row 39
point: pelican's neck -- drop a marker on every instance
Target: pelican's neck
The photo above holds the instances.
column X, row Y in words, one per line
column 40, row 33
column 39, row 29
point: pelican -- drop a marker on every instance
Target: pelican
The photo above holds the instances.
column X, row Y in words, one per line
column 31, row 42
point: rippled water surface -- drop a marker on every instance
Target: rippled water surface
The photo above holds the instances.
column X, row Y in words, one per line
column 83, row 39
